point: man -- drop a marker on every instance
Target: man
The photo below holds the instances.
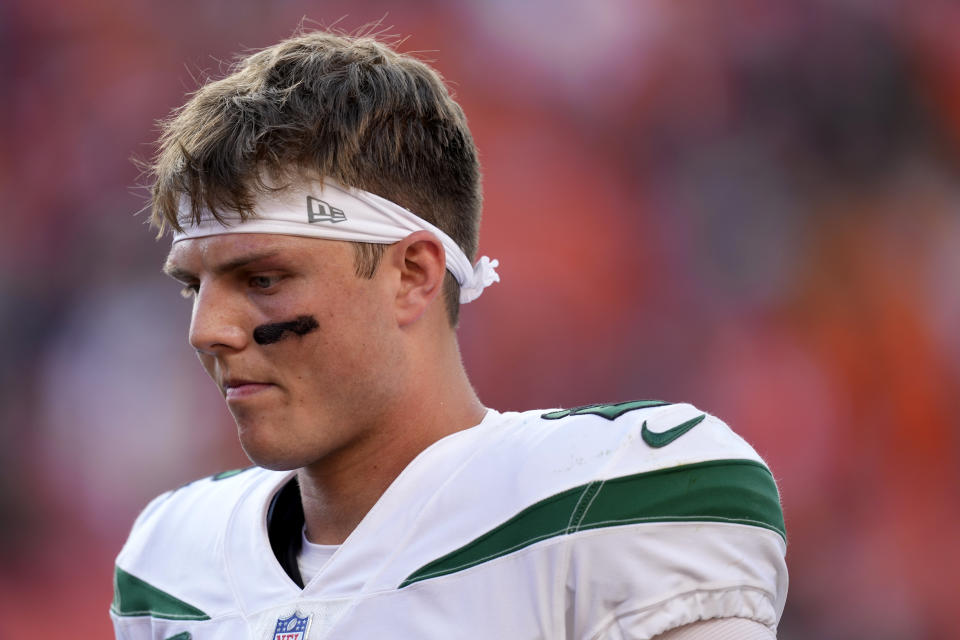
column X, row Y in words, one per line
column 324, row 200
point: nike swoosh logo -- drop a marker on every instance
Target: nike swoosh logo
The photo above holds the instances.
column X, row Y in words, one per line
column 181, row 636
column 663, row 438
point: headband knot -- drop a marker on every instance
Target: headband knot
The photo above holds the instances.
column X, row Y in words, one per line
column 484, row 275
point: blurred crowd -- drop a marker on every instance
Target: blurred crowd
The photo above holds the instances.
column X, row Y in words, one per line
column 750, row 206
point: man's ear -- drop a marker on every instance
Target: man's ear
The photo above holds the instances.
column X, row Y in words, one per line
column 421, row 262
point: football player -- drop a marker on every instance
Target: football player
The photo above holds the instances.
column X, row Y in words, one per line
column 324, row 202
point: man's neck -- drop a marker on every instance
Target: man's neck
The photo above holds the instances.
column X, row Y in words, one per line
column 338, row 491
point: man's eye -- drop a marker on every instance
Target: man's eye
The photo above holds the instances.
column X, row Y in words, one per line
column 190, row 290
column 263, row 282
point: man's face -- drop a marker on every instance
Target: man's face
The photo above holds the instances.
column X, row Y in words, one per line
column 299, row 390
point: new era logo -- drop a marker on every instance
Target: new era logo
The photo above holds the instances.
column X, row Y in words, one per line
column 320, row 211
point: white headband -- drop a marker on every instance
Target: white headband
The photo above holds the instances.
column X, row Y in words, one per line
column 335, row 212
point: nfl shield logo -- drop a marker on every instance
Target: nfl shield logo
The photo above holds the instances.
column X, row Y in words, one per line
column 293, row 627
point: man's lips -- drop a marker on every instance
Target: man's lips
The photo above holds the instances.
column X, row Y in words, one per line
column 236, row 389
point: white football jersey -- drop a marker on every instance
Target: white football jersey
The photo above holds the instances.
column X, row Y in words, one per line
column 607, row 521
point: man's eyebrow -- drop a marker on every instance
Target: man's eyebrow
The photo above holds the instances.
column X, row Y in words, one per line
column 177, row 273
column 183, row 275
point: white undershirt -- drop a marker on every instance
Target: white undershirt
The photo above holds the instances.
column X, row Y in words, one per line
column 313, row 557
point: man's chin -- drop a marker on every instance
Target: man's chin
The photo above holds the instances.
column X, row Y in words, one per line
column 272, row 457
column 268, row 453
column 275, row 465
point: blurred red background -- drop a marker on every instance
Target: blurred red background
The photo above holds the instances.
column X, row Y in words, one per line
column 749, row 206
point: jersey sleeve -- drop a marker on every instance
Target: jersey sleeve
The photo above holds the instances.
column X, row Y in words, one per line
column 677, row 530
column 725, row 629
column 169, row 576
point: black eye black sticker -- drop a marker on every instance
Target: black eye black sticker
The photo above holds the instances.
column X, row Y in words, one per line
column 276, row 331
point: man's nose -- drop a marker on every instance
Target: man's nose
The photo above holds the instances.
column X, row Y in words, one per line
column 216, row 324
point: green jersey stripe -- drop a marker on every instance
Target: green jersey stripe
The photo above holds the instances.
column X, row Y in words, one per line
column 733, row 491
column 134, row 597
column 608, row 411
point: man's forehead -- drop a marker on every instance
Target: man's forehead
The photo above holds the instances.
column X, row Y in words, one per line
column 229, row 251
